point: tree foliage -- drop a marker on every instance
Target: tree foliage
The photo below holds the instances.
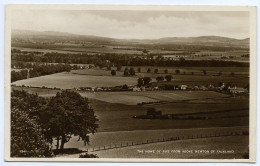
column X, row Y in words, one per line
column 39, row 70
column 155, row 71
column 132, row 71
column 168, row 78
column 27, row 136
column 67, row 114
column 177, row 71
column 38, row 121
column 159, row 78
column 113, row 72
column 27, row 139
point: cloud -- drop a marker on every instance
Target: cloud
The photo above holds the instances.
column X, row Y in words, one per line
column 135, row 24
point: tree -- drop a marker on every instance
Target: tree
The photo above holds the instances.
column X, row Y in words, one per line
column 147, row 80
column 166, row 71
column 67, row 114
column 27, row 139
column 177, row 71
column 132, row 71
column 220, row 84
column 113, row 72
column 168, row 78
column 145, row 51
column 140, row 82
column 155, row 71
column 125, row 87
column 160, row 78
column 139, row 70
column 204, row 72
column 32, row 104
column 148, row 70
column 126, row 72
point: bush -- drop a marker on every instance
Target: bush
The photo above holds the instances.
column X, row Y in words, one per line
column 86, row 155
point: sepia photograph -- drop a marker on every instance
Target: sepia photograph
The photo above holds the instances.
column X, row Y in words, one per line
column 130, row 83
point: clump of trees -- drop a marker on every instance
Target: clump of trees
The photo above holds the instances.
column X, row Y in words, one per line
column 37, row 122
column 126, row 72
column 39, row 70
column 160, row 78
column 132, row 71
column 143, row 81
column 129, row 72
column 168, row 78
column 177, row 71
column 105, row 59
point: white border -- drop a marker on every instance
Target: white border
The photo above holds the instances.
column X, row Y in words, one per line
column 236, row 2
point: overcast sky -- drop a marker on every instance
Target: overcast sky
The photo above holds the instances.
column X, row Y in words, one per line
column 135, row 24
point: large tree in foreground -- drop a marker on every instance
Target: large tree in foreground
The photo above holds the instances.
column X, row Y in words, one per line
column 67, row 114
column 27, row 139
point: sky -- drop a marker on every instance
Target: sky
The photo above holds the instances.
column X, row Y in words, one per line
column 135, row 24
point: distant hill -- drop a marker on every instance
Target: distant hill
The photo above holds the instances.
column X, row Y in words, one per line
column 63, row 36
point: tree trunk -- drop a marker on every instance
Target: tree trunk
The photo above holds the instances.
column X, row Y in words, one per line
column 58, row 142
column 63, row 141
column 85, row 141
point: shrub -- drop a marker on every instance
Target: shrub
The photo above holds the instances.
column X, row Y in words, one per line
column 86, row 155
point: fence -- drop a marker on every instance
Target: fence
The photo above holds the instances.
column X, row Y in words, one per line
column 173, row 138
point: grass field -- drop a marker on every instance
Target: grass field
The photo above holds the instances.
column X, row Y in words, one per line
column 103, row 78
column 70, row 81
column 118, row 117
column 240, row 78
column 111, row 138
column 238, row 145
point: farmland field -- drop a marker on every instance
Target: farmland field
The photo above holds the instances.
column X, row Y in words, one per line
column 118, row 117
column 240, row 78
column 69, row 81
column 103, row 78
column 116, row 109
column 111, row 138
column 132, row 98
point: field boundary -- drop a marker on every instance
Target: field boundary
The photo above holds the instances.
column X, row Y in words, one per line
column 167, row 139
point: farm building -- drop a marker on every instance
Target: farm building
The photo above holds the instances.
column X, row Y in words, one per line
column 183, row 87
column 138, row 89
column 203, row 88
column 237, row 90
